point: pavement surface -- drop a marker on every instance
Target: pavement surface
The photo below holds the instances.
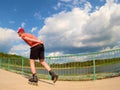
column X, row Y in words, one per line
column 13, row 81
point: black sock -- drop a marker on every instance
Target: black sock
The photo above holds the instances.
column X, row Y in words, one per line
column 34, row 74
column 51, row 73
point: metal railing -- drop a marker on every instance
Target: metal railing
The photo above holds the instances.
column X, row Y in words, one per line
column 89, row 66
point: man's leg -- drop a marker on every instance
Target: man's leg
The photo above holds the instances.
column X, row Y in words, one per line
column 32, row 66
column 34, row 78
column 46, row 66
column 54, row 77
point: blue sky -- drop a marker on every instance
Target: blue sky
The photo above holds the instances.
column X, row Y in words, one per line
column 33, row 13
column 66, row 26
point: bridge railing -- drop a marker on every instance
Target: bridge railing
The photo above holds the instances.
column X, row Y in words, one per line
column 90, row 66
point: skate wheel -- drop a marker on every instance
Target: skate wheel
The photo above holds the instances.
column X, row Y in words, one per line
column 55, row 79
column 33, row 83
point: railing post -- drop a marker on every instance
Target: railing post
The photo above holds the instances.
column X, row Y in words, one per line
column 49, row 65
column 22, row 66
column 0, row 62
column 94, row 68
column 8, row 68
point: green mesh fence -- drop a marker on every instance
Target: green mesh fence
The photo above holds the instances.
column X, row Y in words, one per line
column 89, row 66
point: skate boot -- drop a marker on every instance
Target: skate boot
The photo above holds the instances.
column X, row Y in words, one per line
column 33, row 80
column 54, row 77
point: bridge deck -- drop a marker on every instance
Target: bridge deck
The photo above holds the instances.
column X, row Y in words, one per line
column 13, row 81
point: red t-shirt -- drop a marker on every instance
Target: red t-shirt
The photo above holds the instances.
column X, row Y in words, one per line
column 30, row 43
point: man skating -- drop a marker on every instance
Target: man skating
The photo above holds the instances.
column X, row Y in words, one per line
column 36, row 52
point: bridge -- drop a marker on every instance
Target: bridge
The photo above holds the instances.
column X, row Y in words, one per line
column 13, row 81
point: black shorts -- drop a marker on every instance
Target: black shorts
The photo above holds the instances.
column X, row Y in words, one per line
column 37, row 52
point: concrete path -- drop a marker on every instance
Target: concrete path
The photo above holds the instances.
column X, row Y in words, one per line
column 13, row 81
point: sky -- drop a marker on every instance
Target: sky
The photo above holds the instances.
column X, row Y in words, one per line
column 65, row 26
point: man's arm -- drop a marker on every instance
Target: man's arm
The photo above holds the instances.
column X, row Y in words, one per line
column 33, row 40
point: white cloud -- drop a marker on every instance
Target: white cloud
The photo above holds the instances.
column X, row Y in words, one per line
column 20, row 49
column 23, row 24
column 34, row 29
column 55, row 54
column 64, row 26
column 87, row 7
column 7, row 38
column 70, row 4
column 9, row 43
column 78, row 30
column 110, row 1
column 65, row 0
column 58, row 6
column 38, row 15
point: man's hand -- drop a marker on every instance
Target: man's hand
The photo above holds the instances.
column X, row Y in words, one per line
column 33, row 40
column 41, row 42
